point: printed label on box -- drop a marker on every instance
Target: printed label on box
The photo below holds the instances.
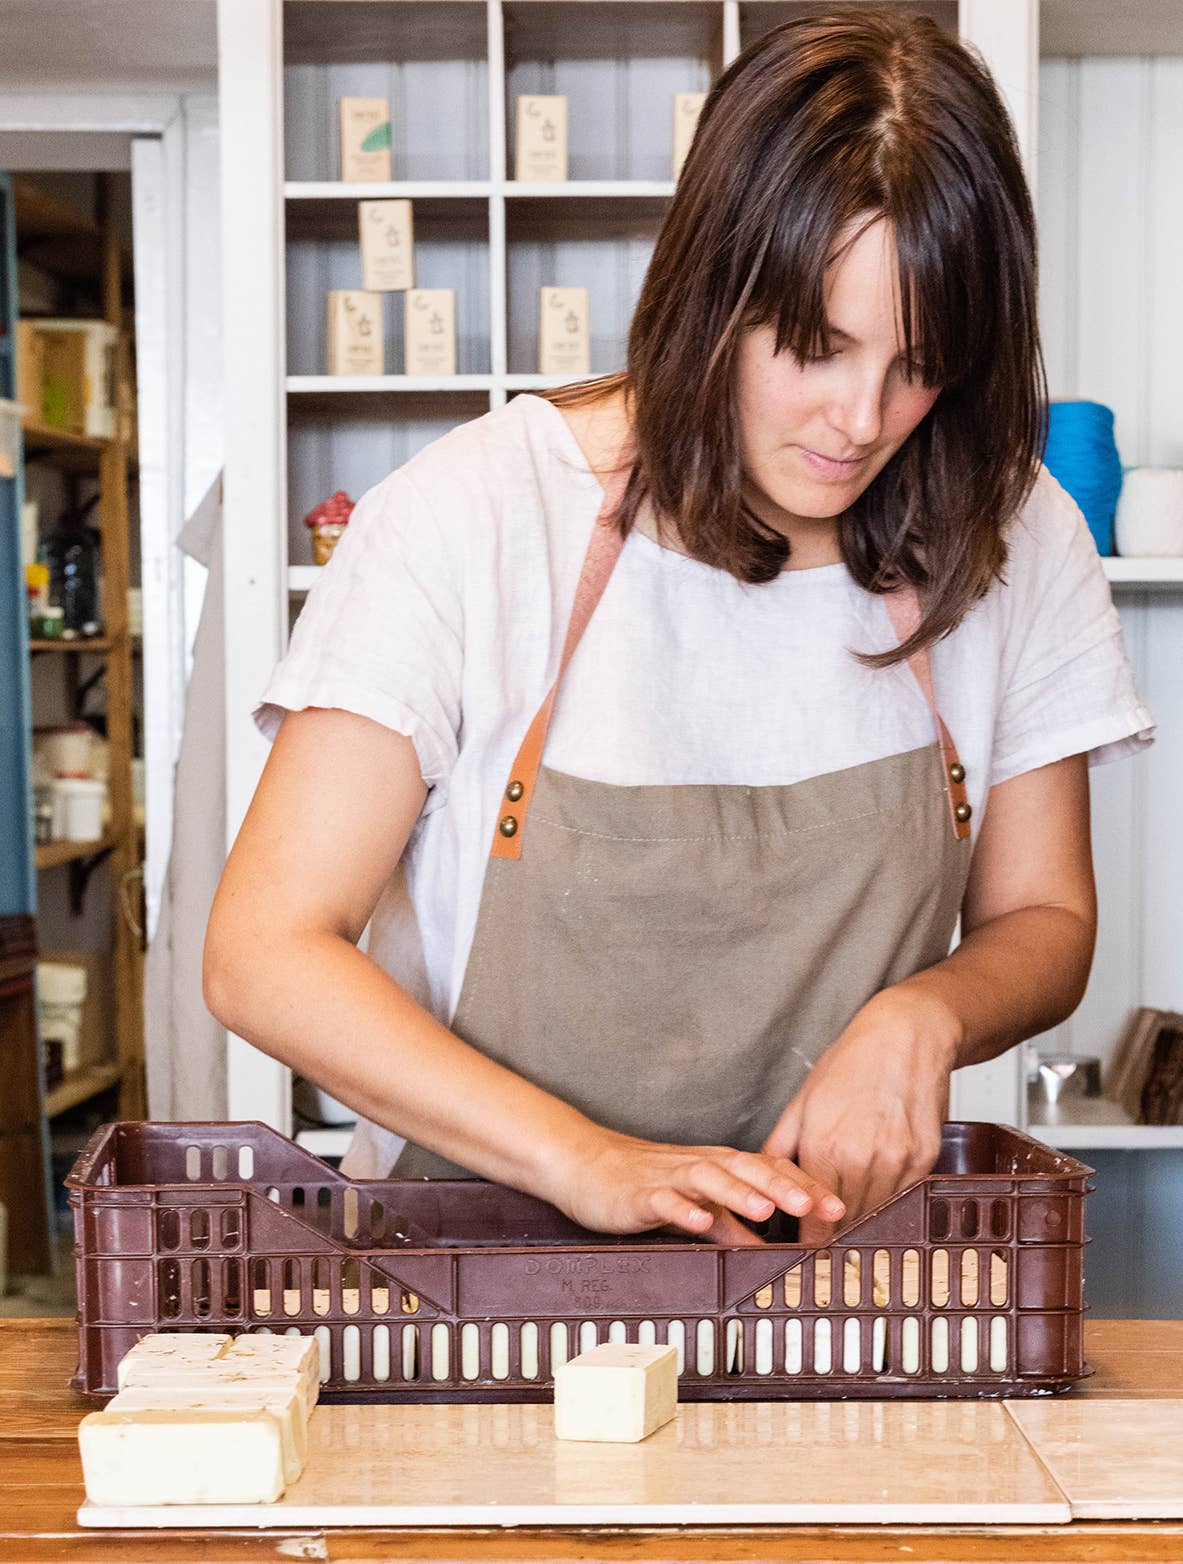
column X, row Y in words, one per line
column 387, row 245
column 355, row 339
column 687, row 108
column 541, row 138
column 564, row 337
column 431, row 331
column 365, row 139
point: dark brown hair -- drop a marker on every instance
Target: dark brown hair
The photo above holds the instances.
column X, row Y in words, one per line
column 846, row 117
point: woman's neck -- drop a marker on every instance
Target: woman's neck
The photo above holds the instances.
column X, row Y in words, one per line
column 602, row 430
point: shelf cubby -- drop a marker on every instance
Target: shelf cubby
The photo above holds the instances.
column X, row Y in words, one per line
column 602, row 245
column 428, row 57
column 619, row 66
column 352, row 440
column 451, row 251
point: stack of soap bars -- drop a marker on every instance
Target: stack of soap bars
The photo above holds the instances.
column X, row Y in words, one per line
column 203, row 1419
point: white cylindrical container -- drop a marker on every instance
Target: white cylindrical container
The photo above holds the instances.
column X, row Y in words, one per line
column 61, row 994
column 78, row 804
column 63, row 751
column 1149, row 520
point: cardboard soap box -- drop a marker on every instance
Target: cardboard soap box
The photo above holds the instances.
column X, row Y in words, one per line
column 30, row 368
column 77, row 362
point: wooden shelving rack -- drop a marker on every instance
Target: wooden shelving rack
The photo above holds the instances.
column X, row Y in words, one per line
column 80, row 248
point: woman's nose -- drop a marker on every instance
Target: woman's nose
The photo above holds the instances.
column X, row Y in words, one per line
column 858, row 411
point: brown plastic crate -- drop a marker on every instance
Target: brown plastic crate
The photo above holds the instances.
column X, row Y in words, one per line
column 967, row 1284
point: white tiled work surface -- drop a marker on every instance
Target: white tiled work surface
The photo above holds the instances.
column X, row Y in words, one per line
column 717, row 1463
column 1118, row 1460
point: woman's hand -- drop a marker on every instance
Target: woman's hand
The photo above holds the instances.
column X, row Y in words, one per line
column 867, row 1121
column 615, row 1183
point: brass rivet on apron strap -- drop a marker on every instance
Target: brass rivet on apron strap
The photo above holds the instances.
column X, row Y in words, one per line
column 509, row 826
column 963, row 812
column 514, row 791
column 957, row 771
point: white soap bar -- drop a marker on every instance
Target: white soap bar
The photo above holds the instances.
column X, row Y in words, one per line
column 131, row 1458
column 208, row 1377
column 271, row 1353
column 619, row 1392
column 189, row 1348
column 283, row 1402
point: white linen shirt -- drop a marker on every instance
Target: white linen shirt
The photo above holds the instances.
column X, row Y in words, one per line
column 442, row 615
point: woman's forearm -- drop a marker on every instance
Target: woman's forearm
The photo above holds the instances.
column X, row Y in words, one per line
column 316, row 1002
column 1013, row 977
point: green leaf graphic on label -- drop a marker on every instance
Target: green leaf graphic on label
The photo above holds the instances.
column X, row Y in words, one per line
column 378, row 138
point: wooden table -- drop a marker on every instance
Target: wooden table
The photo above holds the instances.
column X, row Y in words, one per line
column 41, row 1488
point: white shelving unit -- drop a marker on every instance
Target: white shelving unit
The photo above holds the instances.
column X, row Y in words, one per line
column 451, row 69
column 1110, row 1137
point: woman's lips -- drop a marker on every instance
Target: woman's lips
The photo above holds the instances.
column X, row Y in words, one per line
column 827, row 467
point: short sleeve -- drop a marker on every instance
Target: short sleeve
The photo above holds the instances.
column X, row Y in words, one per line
column 381, row 632
column 1067, row 687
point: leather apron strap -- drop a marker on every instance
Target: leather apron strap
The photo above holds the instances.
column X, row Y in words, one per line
column 603, row 550
column 903, row 608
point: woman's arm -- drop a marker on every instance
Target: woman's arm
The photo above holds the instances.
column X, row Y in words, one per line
column 1028, row 920
column 867, row 1121
column 334, row 808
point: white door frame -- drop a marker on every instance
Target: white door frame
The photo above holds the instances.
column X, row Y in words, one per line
column 154, row 126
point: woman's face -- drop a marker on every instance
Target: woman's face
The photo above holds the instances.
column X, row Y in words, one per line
column 814, row 435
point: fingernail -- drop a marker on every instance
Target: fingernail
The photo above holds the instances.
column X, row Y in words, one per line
column 833, row 1207
column 798, row 1201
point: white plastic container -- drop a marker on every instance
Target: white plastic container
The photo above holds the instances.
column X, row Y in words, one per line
column 1149, row 521
column 78, row 807
column 64, row 751
column 61, row 994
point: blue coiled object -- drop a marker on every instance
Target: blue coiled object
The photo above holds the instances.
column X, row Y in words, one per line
column 1081, row 454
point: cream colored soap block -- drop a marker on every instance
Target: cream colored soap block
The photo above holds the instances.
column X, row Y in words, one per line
column 209, row 1378
column 283, row 1402
column 687, row 108
column 272, row 1354
column 387, row 237
column 564, row 335
column 179, row 1457
column 181, row 1348
column 365, row 140
column 541, row 140
column 620, row 1392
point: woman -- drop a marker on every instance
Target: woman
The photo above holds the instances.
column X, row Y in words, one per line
column 827, row 653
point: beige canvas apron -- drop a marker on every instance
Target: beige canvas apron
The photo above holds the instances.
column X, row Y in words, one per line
column 672, row 960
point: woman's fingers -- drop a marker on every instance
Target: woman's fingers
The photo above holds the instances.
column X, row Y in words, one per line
column 670, row 1205
column 728, row 1230
column 754, row 1186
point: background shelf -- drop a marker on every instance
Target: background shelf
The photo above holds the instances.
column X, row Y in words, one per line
column 1109, row 1137
column 80, row 1086
column 50, row 855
